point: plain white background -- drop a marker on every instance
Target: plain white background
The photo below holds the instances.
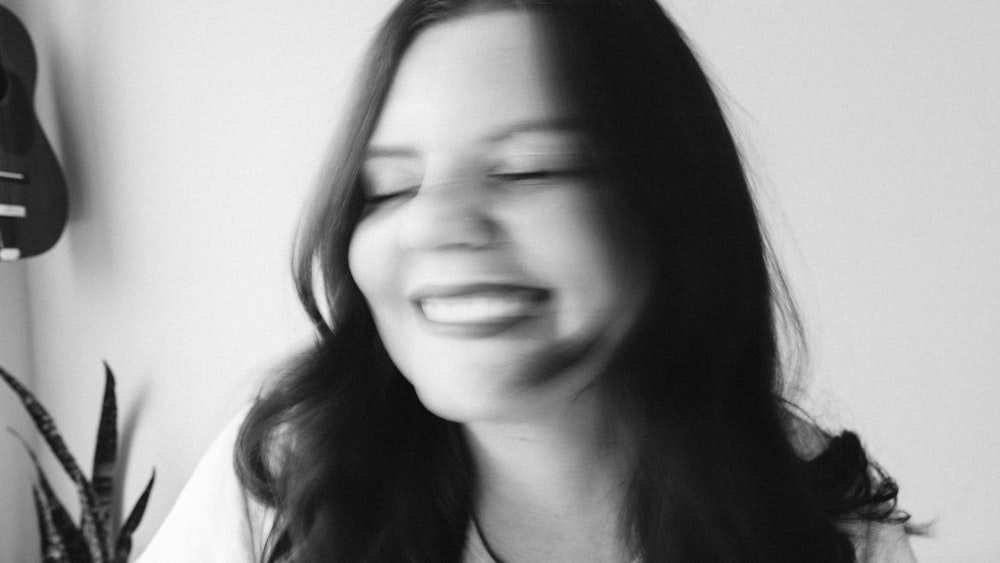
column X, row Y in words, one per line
column 191, row 132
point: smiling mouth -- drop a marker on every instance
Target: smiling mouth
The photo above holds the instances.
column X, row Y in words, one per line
column 483, row 306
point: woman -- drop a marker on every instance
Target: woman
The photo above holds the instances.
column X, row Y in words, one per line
column 547, row 319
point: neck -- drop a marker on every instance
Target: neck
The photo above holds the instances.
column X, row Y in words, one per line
column 551, row 487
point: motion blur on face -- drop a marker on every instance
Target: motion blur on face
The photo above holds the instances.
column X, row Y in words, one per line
column 482, row 247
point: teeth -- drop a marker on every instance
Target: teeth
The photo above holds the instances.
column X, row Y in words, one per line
column 475, row 309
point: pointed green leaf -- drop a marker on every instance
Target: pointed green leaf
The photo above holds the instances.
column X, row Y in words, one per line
column 47, row 427
column 53, row 550
column 105, row 456
column 40, row 516
column 132, row 522
column 92, row 533
column 74, row 545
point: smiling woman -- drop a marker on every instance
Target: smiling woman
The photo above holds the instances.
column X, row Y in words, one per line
column 481, row 249
column 547, row 324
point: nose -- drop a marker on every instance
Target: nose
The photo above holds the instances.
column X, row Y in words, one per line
column 456, row 214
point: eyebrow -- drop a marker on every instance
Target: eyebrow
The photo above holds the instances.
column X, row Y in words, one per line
column 389, row 152
column 555, row 125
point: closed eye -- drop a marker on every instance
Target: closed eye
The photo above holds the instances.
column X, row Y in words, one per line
column 522, row 176
column 530, row 177
column 380, row 198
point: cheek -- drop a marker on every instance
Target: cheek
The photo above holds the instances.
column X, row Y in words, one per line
column 570, row 241
column 370, row 259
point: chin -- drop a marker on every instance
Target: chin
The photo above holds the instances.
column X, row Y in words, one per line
column 463, row 403
column 454, row 410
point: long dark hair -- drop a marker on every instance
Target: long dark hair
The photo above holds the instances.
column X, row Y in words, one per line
column 358, row 470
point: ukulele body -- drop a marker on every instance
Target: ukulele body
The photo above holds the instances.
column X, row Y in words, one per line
column 33, row 198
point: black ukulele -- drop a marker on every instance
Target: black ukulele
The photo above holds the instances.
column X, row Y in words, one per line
column 32, row 188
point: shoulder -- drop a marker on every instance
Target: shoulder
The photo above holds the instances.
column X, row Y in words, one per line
column 213, row 519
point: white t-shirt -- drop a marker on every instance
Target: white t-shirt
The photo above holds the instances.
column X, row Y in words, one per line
column 215, row 521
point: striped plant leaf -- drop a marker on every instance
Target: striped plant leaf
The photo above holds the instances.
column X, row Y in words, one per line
column 93, row 534
column 105, row 456
column 94, row 540
column 74, row 545
column 47, row 427
column 124, row 546
column 53, row 550
column 77, row 550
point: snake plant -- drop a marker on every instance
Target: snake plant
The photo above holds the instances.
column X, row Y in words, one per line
column 95, row 539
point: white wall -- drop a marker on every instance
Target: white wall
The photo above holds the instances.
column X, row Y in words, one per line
column 190, row 132
column 18, row 535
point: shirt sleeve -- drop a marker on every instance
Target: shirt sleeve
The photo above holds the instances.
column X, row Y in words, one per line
column 214, row 519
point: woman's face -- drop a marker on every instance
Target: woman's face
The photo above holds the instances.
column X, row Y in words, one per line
column 482, row 248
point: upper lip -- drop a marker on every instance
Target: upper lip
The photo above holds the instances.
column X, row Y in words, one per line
column 461, row 289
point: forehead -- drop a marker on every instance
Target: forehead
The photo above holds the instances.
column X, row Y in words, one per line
column 470, row 77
